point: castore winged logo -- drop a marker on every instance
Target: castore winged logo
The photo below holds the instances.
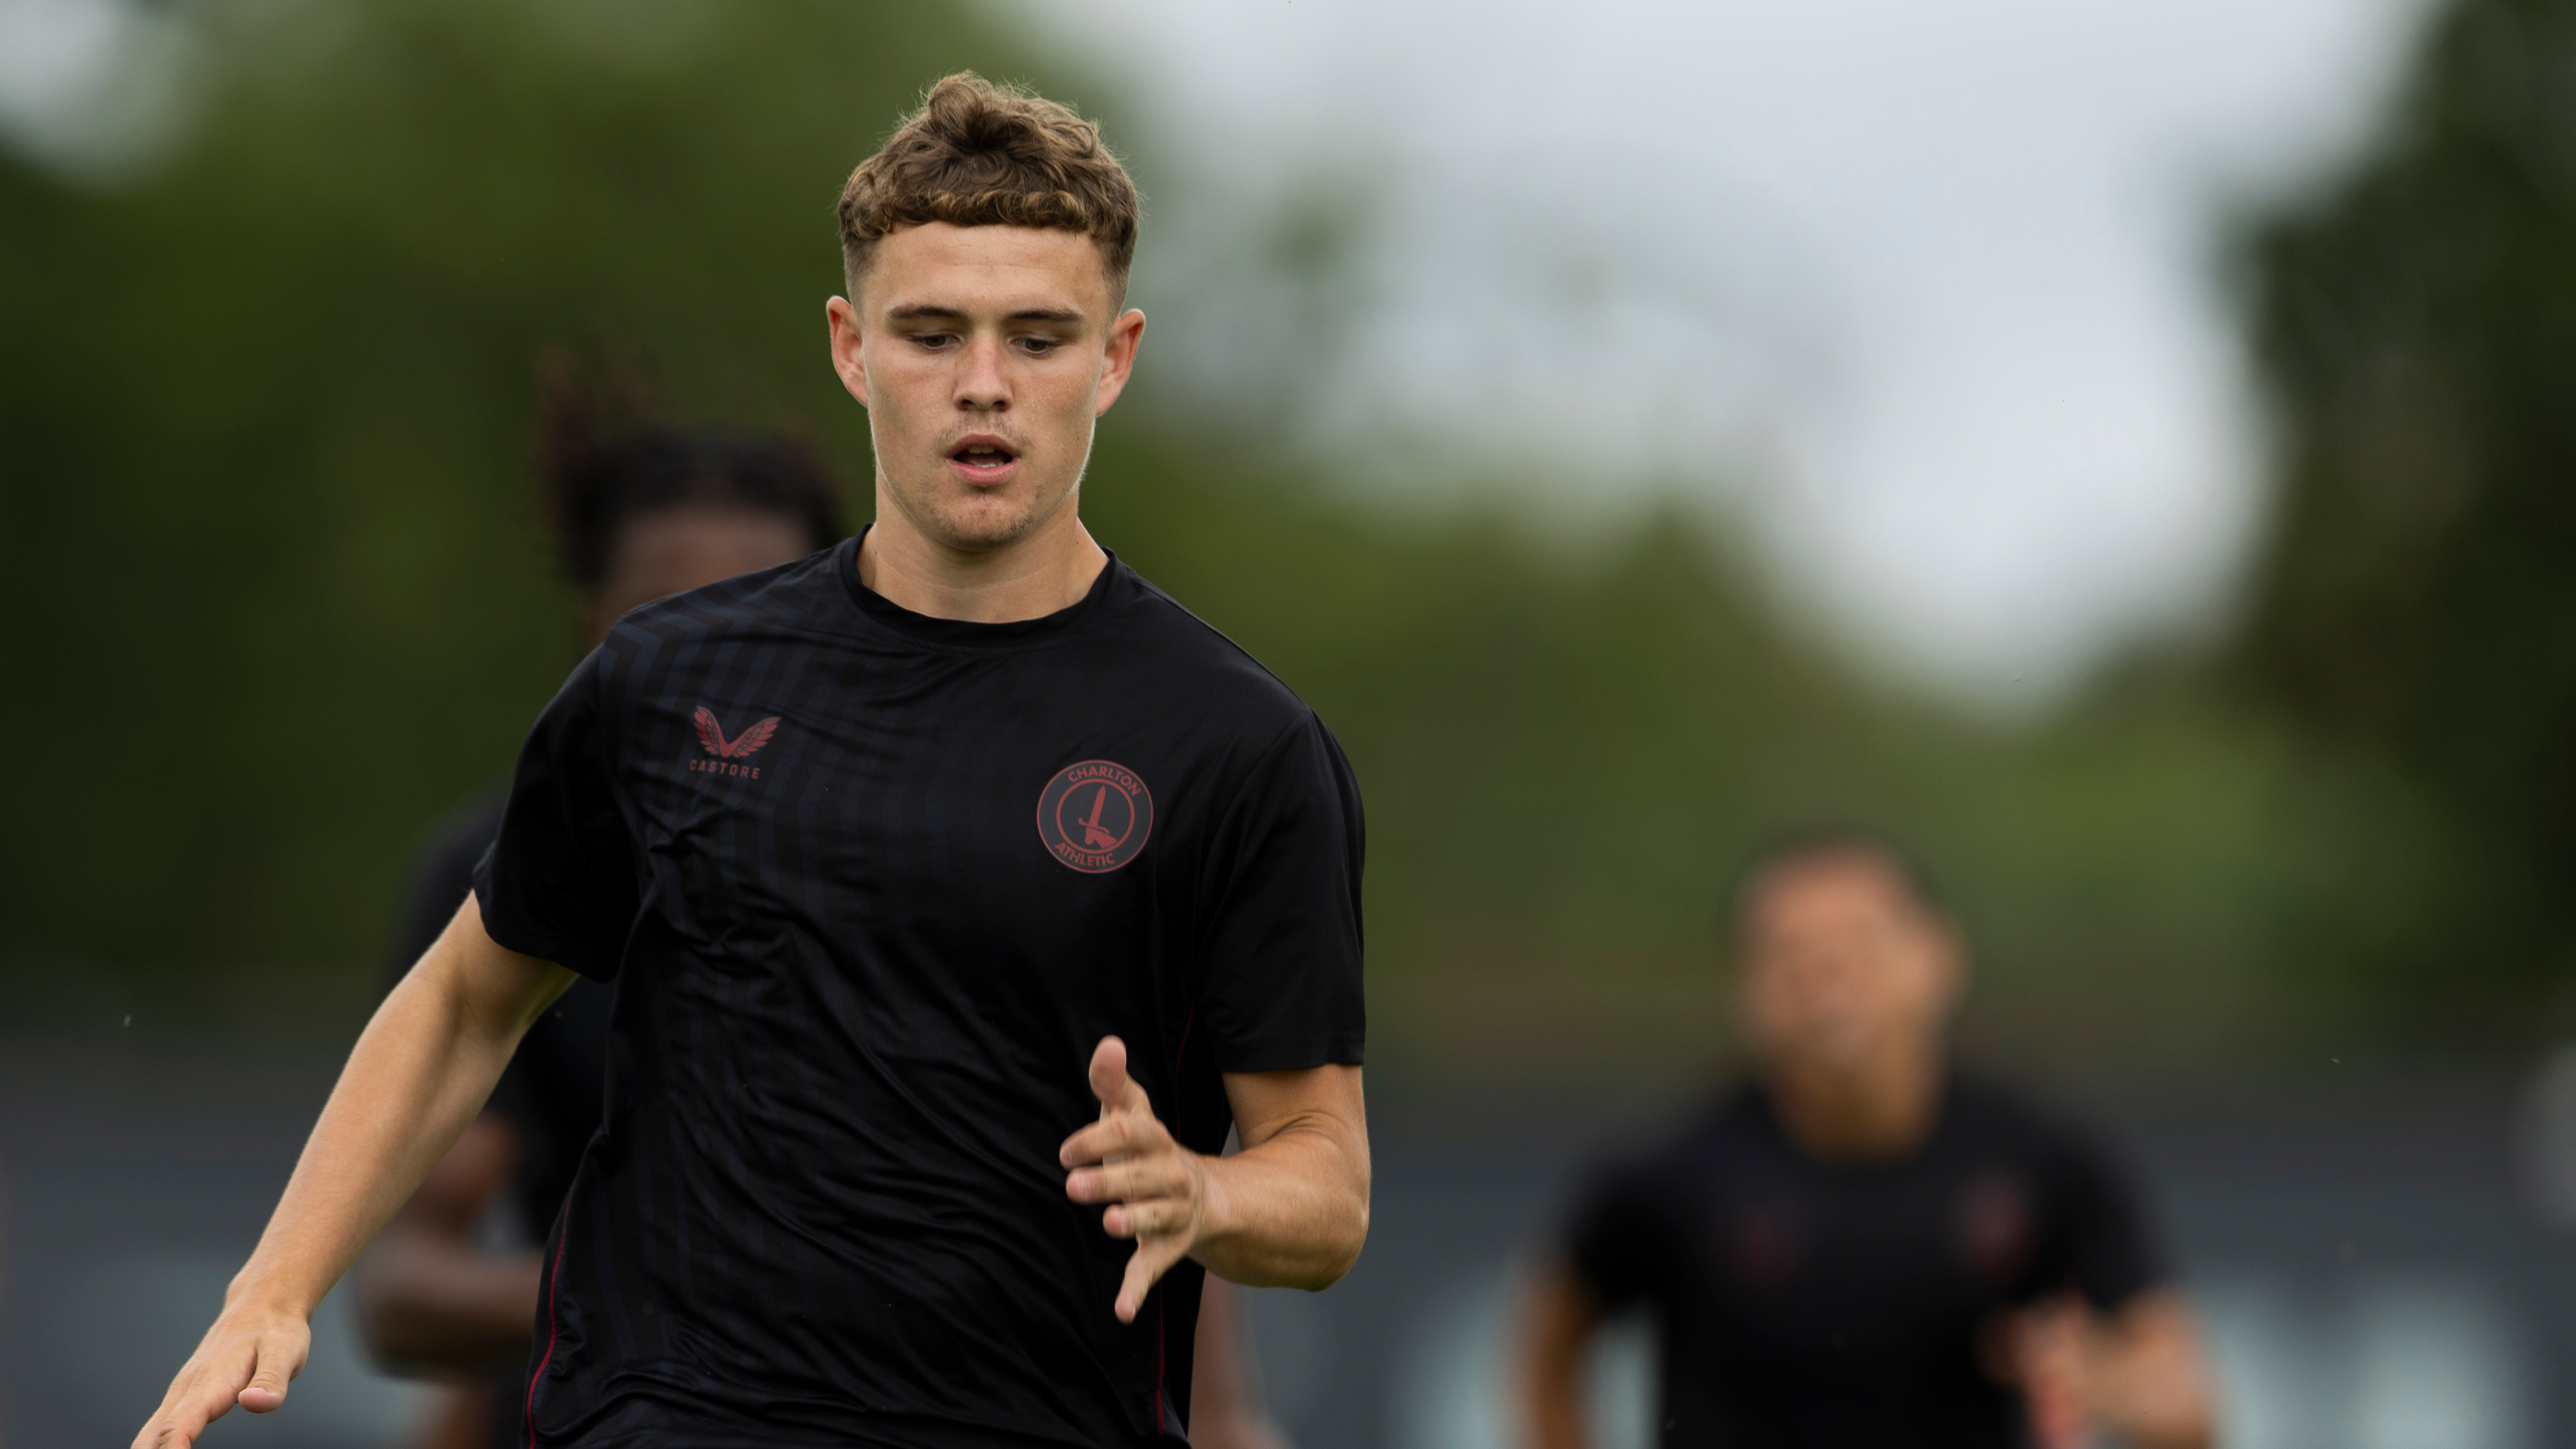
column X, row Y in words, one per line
column 711, row 738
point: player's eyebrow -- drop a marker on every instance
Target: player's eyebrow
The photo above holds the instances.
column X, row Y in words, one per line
column 935, row 312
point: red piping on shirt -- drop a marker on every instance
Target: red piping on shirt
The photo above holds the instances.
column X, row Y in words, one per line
column 553, row 1329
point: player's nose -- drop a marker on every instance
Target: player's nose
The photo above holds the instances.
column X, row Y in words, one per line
column 983, row 384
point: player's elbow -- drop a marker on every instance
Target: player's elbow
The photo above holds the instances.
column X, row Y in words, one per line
column 1339, row 1250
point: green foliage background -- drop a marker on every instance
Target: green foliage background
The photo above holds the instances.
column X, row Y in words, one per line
column 279, row 597
column 269, row 412
column 2416, row 319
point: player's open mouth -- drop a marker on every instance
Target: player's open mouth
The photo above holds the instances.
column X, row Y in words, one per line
column 983, row 460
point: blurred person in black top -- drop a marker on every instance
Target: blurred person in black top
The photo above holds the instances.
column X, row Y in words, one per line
column 1863, row 1247
column 637, row 511
column 961, row 891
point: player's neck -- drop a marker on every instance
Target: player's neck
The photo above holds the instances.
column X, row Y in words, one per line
column 1029, row 578
column 1882, row 1112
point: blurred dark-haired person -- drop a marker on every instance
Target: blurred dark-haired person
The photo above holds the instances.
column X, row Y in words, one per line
column 637, row 511
column 961, row 891
column 1862, row 1246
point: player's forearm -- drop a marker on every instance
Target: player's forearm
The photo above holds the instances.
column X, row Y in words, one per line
column 419, row 1073
column 2158, row 1411
column 417, row 1076
column 1291, row 1212
column 1561, row 1321
column 2149, row 1385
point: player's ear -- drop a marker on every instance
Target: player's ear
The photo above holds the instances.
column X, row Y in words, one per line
column 847, row 358
column 1126, row 333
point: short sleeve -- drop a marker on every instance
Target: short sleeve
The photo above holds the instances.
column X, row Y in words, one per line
column 1610, row 1240
column 442, row 879
column 1282, row 987
column 559, row 882
column 2113, row 1251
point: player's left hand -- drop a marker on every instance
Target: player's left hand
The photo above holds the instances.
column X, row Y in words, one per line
column 1159, row 1192
column 2044, row 1349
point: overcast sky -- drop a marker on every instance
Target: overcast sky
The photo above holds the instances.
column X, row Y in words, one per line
column 1926, row 289
column 1923, row 291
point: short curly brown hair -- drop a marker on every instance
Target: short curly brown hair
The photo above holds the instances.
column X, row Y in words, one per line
column 978, row 154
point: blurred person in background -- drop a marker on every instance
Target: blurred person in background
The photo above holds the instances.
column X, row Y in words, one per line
column 1863, row 1246
column 450, row 1289
column 636, row 511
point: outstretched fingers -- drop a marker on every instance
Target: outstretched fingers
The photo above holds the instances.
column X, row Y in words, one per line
column 1145, row 1267
column 180, row 1421
column 1127, row 1126
column 1114, row 1138
column 1159, row 1174
column 1147, row 1217
column 1116, row 1090
column 266, row 1391
column 203, row 1393
column 234, row 1366
column 1130, row 1161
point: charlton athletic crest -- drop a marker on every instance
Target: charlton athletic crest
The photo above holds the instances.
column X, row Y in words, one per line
column 1095, row 816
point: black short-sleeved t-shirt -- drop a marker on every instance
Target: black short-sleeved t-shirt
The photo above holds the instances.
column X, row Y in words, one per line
column 1798, row 1303
column 872, row 887
column 550, row 1094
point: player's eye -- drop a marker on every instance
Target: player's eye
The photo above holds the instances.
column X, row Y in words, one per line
column 934, row 341
column 1038, row 346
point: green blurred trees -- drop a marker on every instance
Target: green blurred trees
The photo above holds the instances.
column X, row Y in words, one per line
column 2415, row 320
column 268, row 408
column 277, row 596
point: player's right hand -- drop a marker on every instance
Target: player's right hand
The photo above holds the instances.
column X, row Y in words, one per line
column 2043, row 1350
column 1157, row 1189
column 245, row 1359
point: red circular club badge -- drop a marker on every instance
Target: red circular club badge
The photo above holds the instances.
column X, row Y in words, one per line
column 1095, row 816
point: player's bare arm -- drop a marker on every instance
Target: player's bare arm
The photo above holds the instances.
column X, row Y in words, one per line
column 1561, row 1318
column 1288, row 1211
column 2149, row 1382
column 2135, row 1370
column 418, row 1075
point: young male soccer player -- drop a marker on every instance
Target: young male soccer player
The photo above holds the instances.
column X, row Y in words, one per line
column 637, row 509
column 1863, row 1247
column 906, row 859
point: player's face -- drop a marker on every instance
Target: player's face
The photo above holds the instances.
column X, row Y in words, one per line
column 1843, row 966
column 984, row 355
column 689, row 546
